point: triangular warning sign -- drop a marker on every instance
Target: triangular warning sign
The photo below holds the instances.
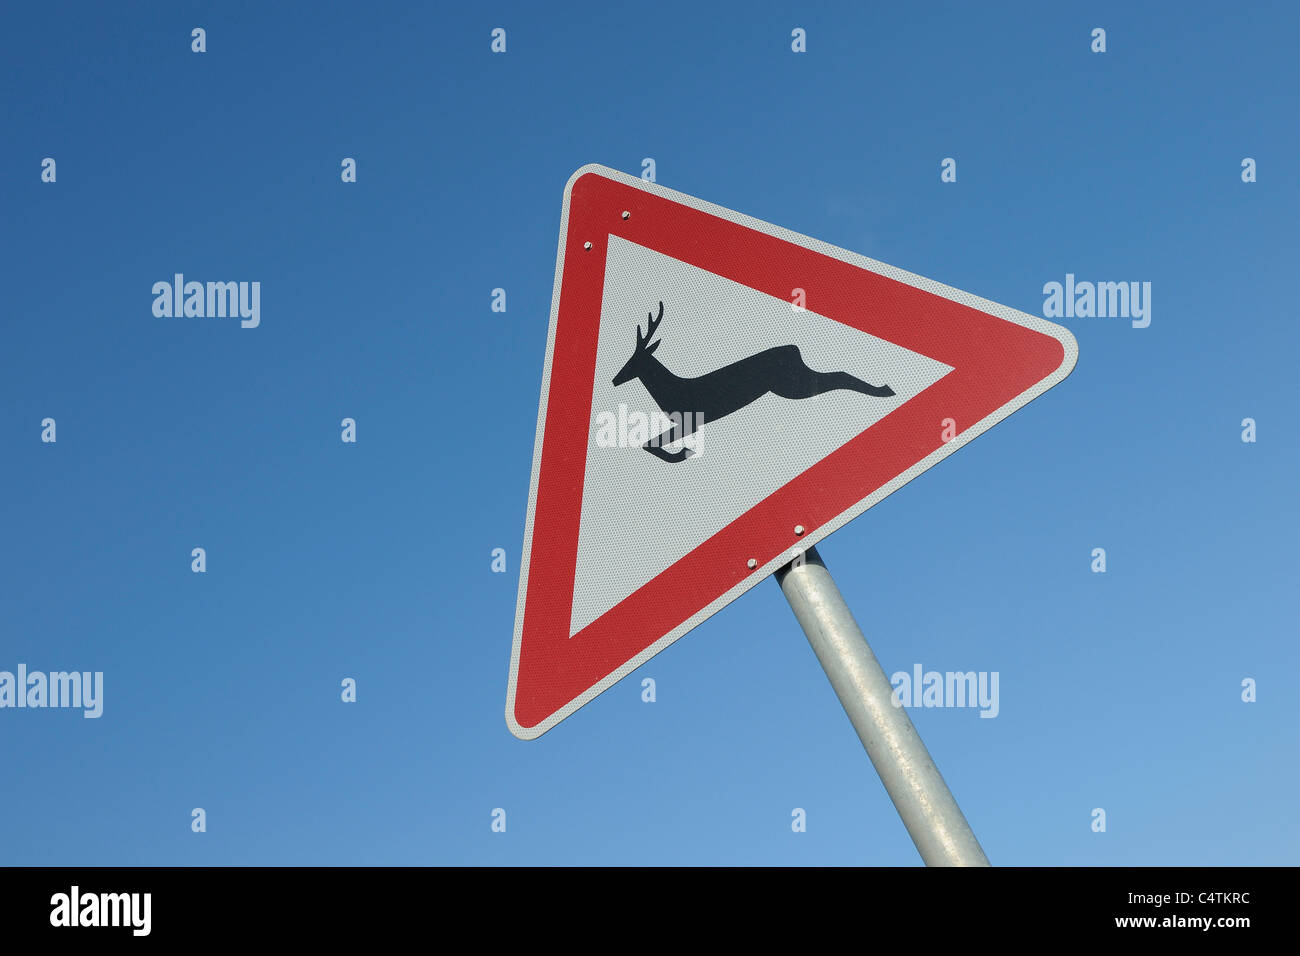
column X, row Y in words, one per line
column 719, row 394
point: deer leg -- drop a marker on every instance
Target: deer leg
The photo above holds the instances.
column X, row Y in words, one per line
column 815, row 383
column 655, row 445
column 845, row 380
column 669, row 456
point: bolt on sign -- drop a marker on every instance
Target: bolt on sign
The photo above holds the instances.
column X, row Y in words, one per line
column 719, row 394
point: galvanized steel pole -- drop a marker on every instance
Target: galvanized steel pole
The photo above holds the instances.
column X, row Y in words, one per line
column 931, row 815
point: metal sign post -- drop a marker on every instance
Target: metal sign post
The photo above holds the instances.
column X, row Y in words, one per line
column 931, row 815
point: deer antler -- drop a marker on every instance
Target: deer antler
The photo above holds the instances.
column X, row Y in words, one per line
column 651, row 325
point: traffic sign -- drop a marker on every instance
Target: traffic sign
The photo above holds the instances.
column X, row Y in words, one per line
column 720, row 394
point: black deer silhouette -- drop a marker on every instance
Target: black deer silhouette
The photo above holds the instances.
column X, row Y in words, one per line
column 689, row 402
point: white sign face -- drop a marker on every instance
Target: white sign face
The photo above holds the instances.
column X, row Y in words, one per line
column 709, row 322
column 718, row 395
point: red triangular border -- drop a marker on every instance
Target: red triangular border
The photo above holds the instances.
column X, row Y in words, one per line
column 993, row 360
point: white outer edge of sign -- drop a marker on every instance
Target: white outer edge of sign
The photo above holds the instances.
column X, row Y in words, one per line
column 1058, row 332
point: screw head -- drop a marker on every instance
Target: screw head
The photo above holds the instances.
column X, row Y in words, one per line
column 626, row 214
column 798, row 529
column 752, row 564
column 586, row 245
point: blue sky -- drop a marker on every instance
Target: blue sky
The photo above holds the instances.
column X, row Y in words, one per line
column 372, row 560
